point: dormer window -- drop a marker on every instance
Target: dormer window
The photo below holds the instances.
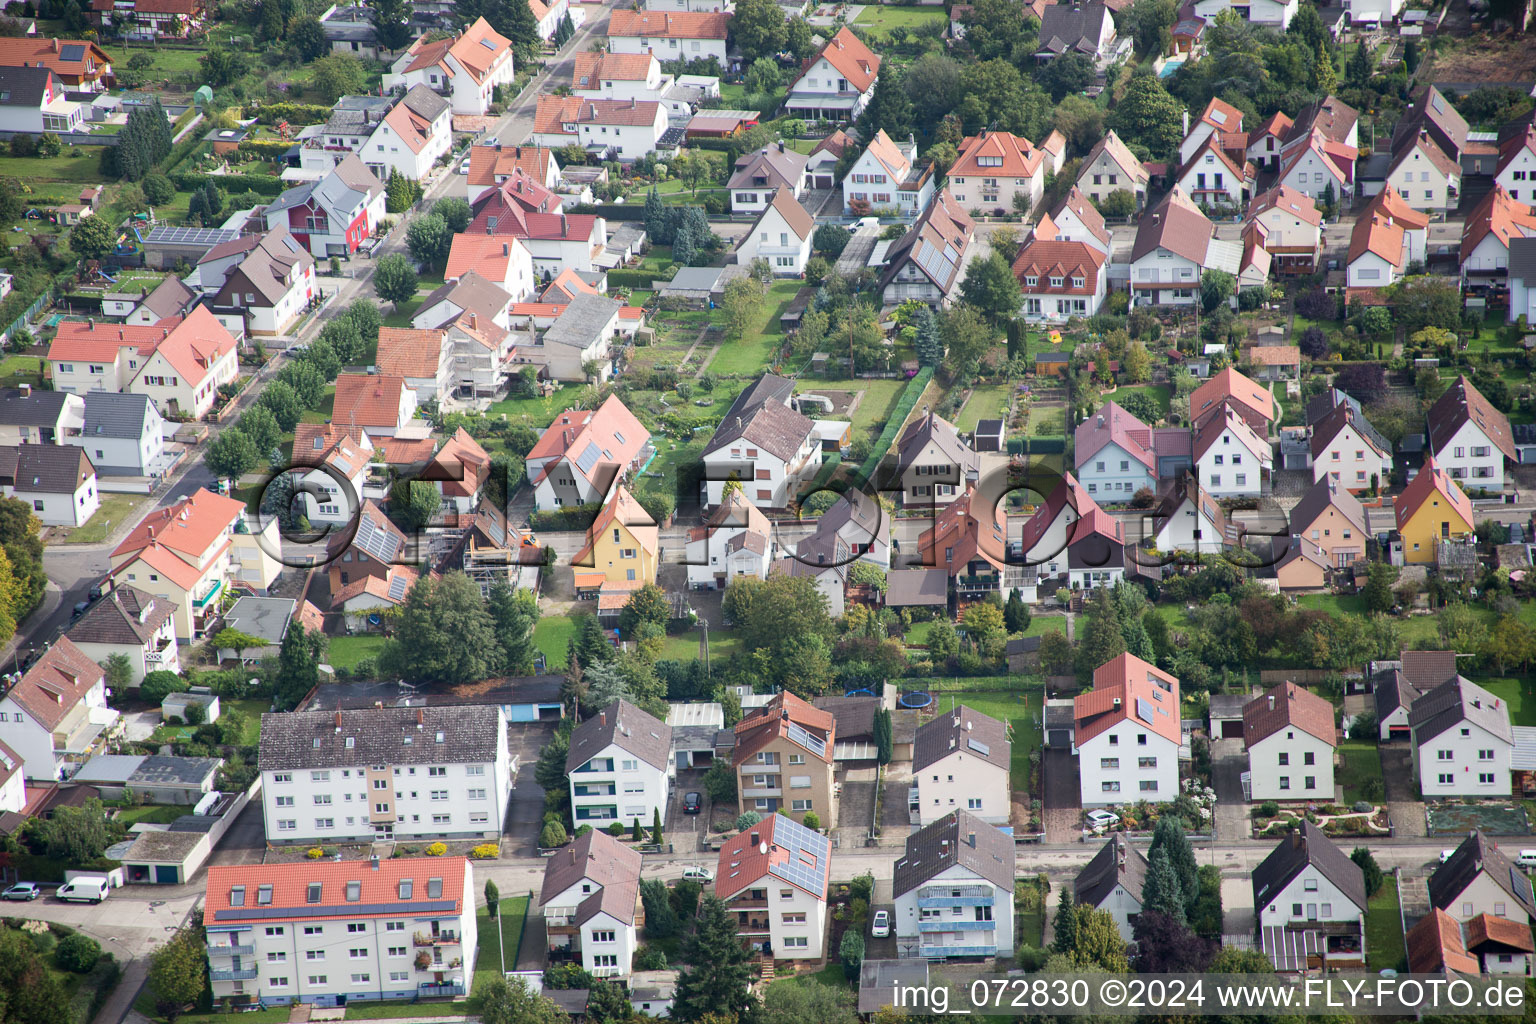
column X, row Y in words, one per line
column 1077, row 282
column 1055, row 282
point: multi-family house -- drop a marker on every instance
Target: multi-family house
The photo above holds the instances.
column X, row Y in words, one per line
column 381, row 404
column 782, row 758
column 466, row 68
column 1175, row 244
column 132, row 623
column 1330, row 517
column 1485, row 238
column 582, row 453
column 351, row 124
column 1462, row 741
column 503, row 260
column 1313, row 164
column 773, row 877
column 781, row 236
column 621, row 548
column 1387, row 236
column 837, row 83
column 1431, row 509
column 334, row 215
column 1126, row 733
column 400, row 773
column 33, row 416
column 411, row 139
column 1219, row 118
column 1290, row 737
column 1116, row 454
column 1516, row 170
column 318, row 478
column 763, row 443
column 620, row 768
column 1470, row 438
column 1075, row 219
column 623, row 130
column 1189, row 519
column 123, row 434
column 933, row 462
column 760, row 175
column 1086, row 29
column 929, row 261
column 1309, row 901
column 1113, row 882
column 736, row 541
column 267, row 291
column 960, row 763
column 670, row 35
column 179, row 364
column 886, row 178
column 1110, row 167
column 78, row 65
column 1212, row 178
column 422, row 358
column 331, row 933
column 1478, row 878
column 58, row 482
column 1060, row 279
column 954, row 890
column 968, row 540
column 1230, row 390
column 590, row 901
column 1231, row 460
column 1347, row 451
column 56, row 714
column 492, row 163
column 468, row 295
column 1424, row 174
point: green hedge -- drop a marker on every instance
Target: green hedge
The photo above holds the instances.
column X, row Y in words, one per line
column 636, row 278
column 265, row 184
column 265, row 147
column 294, row 113
column 904, row 406
column 569, row 517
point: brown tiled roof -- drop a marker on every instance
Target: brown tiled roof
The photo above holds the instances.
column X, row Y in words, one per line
column 964, row 729
column 409, row 352
column 1175, row 224
column 1434, row 945
column 773, row 719
column 1288, row 706
column 846, row 53
column 56, row 682
column 668, row 24
column 1462, row 403
column 365, row 400
column 1488, row 930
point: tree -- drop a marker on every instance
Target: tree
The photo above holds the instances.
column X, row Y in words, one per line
column 91, row 238
column 1067, row 74
column 929, row 344
column 1358, row 70
column 258, row 424
column 118, row 671
column 889, row 109
column 1065, row 923
column 1161, row 892
column 1165, row 945
column 158, row 189
column 308, row 37
column 337, row 75
column 851, row 952
column 1015, row 613
column 967, row 338
column 77, row 834
column 656, row 834
column 995, row 29
column 1511, row 644
column 220, row 67
column 513, row 1002
column 1216, row 287
column 160, row 684
column 443, row 633
column 1313, row 343
column 514, row 614
column 1150, row 115
column 661, row 918
column 648, row 604
column 394, row 279
column 428, row 239
column 830, row 239
column 399, row 192
column 719, row 974
column 416, row 501
column 1377, row 592
column 1149, row 22
column 884, row 737
column 807, row 1004
column 177, row 973
column 454, row 210
column 759, row 29
column 1098, row 940
column 1374, row 877
column 283, row 402
column 298, row 666
column 1323, row 78
column 365, row 316
column 1056, row 654
column 1103, row 639
column 984, row 625
column 492, row 898
column 228, row 639
column 1169, row 836
column 1421, row 302
column 1138, row 362
column 1365, row 381
column 932, row 83
column 77, row 953
column 231, row 455
column 391, row 21
column 658, row 219
column 742, row 301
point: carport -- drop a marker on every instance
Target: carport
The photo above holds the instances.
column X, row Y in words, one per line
column 694, row 727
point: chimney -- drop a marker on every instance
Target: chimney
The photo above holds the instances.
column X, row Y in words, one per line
column 756, row 839
column 602, row 719
column 1186, row 122
column 1101, row 419
column 784, row 714
column 471, row 320
column 338, row 722
column 420, row 723
column 26, row 390
column 373, row 862
column 943, row 847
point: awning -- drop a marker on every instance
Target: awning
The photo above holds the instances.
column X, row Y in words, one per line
column 1523, row 757
column 589, row 580
column 1288, row 950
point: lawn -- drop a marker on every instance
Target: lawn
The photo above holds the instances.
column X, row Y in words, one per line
column 539, row 411
column 114, row 511
column 1048, row 421
column 884, row 18
column 754, row 350
column 1362, row 761
column 1384, row 930
column 874, row 409
column 1158, row 393
column 685, row 646
column 77, row 170
column 347, row 651
column 16, row 370
column 552, row 636
column 203, row 1012
column 511, row 911
column 1031, row 922
column 986, row 403
column 151, row 814
column 1020, row 710
column 252, row 709
column 1522, row 705
column 831, row 976
column 322, row 413
column 1417, row 630
column 382, row 1010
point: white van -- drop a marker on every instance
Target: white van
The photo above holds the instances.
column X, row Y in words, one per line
column 85, row 889
column 1526, row 859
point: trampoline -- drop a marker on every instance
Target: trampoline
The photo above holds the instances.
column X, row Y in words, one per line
column 916, row 699
column 861, row 692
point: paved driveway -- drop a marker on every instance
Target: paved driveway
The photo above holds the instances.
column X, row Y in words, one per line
column 524, row 741
column 1227, row 766
column 856, row 807
column 1061, row 797
column 1398, row 781
column 246, row 840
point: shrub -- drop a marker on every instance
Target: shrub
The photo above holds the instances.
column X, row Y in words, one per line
column 1268, row 809
column 77, row 953
column 617, row 829
column 485, row 851
column 650, row 958
column 552, row 835
column 314, row 853
column 197, row 714
column 747, row 819
column 435, row 850
column 160, row 684
column 811, row 821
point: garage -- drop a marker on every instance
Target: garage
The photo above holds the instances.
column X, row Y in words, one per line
column 821, row 181
column 1227, row 715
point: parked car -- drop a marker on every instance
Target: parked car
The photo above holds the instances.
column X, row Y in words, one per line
column 1445, row 855
column 1103, row 819
column 85, row 889
column 24, row 891
column 880, row 924
column 693, row 803
column 696, row 873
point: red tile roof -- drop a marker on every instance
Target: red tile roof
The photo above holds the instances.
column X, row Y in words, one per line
column 667, row 24
column 192, row 526
column 1118, row 687
column 490, row 164
column 621, row 509
column 30, row 51
column 595, row 66
column 1067, row 493
column 848, row 56
column 1288, row 706
column 379, row 883
column 1462, row 403
column 460, row 450
column 1226, row 388
column 1434, row 945
column 1222, row 116
column 611, row 428
column 1500, row 216
column 1019, row 157
column 1487, row 929
column 1287, row 199
column 1431, row 483
column 368, row 400
column 408, row 352
column 965, row 535
column 1112, row 424
column 56, row 682
column 772, row 721
column 1044, row 260
column 741, row 863
column 487, row 255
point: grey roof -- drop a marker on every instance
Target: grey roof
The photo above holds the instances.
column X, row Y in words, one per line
column 425, row 102
column 913, row 587
column 1474, row 856
column 125, row 616
column 106, row 769
column 162, row 846
column 115, row 414
column 23, row 86
column 1454, row 701
column 1392, row 690
column 959, row 838
column 652, row 986
column 471, row 293
column 617, row 899
column 45, row 468
column 1316, row 501
column 934, row 429
column 343, row 739
column 693, row 279
column 596, row 856
column 584, row 319
column 1322, row 403
column 38, row 409
column 760, row 415
column 1428, row 669
column 877, row 977
column 854, row 716
column 963, row 729
column 349, row 31
column 1065, row 27
column 1327, row 426
column 158, row 770
column 1297, row 851
column 169, row 298
column 1522, row 260
column 1116, row 863
column 262, row 617
column 768, row 167
column 625, row 726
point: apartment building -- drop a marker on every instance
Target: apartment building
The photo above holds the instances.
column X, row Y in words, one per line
column 954, row 890
column 591, row 904
column 338, row 932
column 773, row 877
column 960, row 761
column 1127, row 733
column 385, row 773
column 620, row 767
column 789, row 737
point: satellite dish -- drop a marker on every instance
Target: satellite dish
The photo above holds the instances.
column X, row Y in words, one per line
column 762, row 848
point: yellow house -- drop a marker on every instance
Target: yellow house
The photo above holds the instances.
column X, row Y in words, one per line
column 621, row 549
column 1430, row 509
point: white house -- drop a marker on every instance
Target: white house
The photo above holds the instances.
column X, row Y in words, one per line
column 1126, row 734
column 468, row 67
column 1309, row 901
column 620, row 767
column 781, row 236
column 1292, row 228
column 409, row 774
column 670, row 35
column 1212, row 178
column 886, row 178
column 1387, row 236
column 1218, row 118
column 1060, row 279
column 1290, row 737
column 623, row 130
column 467, row 294
column 779, row 899
column 1049, row 532
column 56, row 480
column 1189, row 519
column 1075, row 219
column 1111, row 167
column 36, row 101
column 1230, row 459
column 954, row 890
column 31, row 415
column 1274, row 13
column 1373, row 12
column 1174, row 246
column 1521, row 280
column 325, row 499
column 619, row 76
column 583, row 451
column 123, row 434
column 765, row 444
column 267, row 292
column 411, row 139
column 13, row 781
column 132, row 623
column 341, row 932
column 1485, row 236
column 1425, row 176
column 1462, row 741
column 837, row 83
column 1311, row 162
column 761, row 174
column 56, row 714
column 1479, row 878
column 1347, row 450
column 581, row 336
column 960, row 762
column 502, row 260
column 589, row 898
column 1470, row 439
column 334, row 215
column 381, row 404
column 1113, row 881
column 859, row 522
column 1516, row 172
column 929, row 262
column 735, row 541
column 933, row 462
column 1116, row 453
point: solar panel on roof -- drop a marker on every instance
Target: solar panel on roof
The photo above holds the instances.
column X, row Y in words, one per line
column 806, row 740
column 75, row 52
column 191, row 236
column 979, row 747
column 588, row 458
column 1143, row 710
column 397, row 589
column 375, row 540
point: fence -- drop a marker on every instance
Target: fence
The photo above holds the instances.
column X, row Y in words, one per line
column 517, row 950
column 37, row 307
column 70, row 138
column 1037, row 445
column 904, row 407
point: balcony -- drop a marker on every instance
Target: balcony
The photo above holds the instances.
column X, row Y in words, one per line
column 606, row 972
column 231, row 950
column 439, row 939
column 934, row 902
column 249, row 974
column 976, row 583
column 200, row 604
column 749, row 904
column 939, row 924
column 162, row 654
column 939, row 952
column 428, row 990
